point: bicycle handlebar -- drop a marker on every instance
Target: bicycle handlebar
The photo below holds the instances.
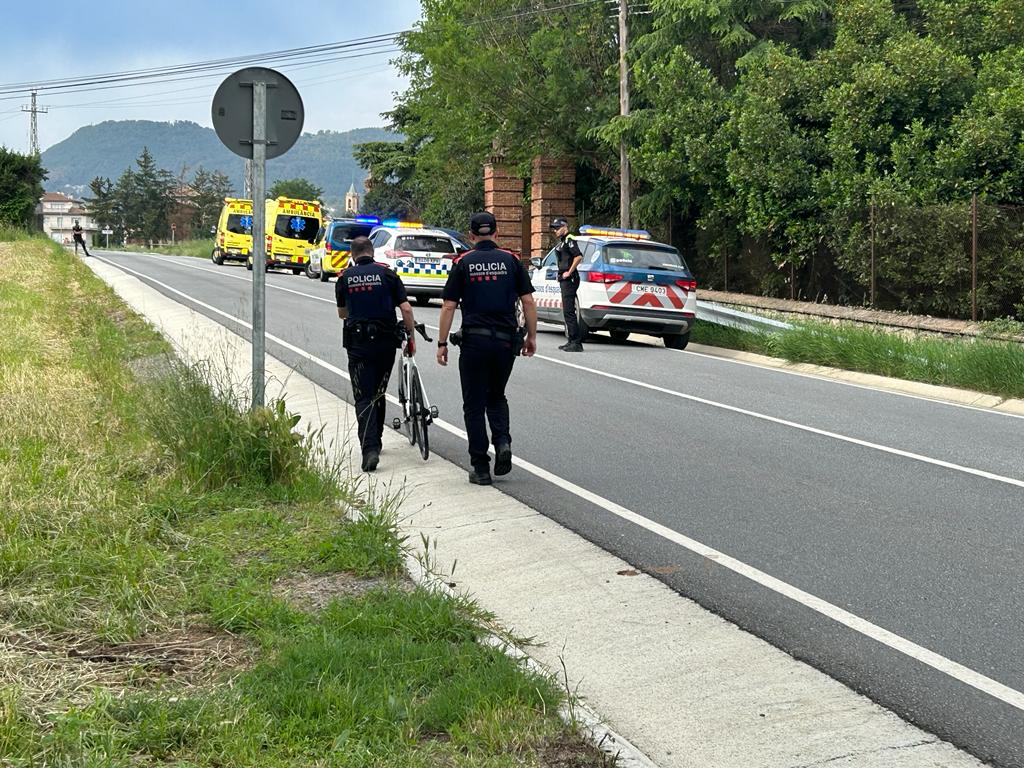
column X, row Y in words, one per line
column 420, row 328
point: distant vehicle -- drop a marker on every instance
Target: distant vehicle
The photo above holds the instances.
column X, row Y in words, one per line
column 292, row 226
column 628, row 284
column 422, row 256
column 330, row 251
column 233, row 234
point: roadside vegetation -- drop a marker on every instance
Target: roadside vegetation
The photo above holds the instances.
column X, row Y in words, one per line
column 199, row 249
column 983, row 365
column 178, row 583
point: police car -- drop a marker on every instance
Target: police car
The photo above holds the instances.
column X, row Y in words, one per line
column 329, row 254
column 628, row 284
column 422, row 256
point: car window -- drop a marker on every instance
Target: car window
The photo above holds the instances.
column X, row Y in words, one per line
column 551, row 259
column 319, row 236
column 296, row 227
column 239, row 223
column 590, row 252
column 643, row 256
column 380, row 239
column 429, row 243
column 344, row 233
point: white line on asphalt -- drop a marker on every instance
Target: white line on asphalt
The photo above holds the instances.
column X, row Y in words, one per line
column 736, row 409
column 898, row 643
column 747, row 363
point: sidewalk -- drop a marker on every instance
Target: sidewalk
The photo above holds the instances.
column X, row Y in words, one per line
column 686, row 687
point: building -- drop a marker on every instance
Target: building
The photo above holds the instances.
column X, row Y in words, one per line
column 351, row 201
column 59, row 214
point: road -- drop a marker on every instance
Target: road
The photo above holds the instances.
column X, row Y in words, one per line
column 876, row 536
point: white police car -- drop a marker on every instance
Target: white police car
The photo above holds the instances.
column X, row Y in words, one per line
column 422, row 256
column 628, row 284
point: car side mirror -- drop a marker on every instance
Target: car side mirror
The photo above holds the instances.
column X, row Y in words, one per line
column 536, row 262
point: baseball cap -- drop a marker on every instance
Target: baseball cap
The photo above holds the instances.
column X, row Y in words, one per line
column 483, row 223
column 559, row 223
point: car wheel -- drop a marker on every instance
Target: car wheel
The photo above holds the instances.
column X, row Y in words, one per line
column 677, row 340
column 216, row 258
column 296, row 270
column 248, row 264
column 619, row 336
column 309, row 270
column 422, row 301
column 324, row 277
column 585, row 330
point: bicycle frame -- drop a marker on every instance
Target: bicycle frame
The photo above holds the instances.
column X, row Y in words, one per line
column 409, row 379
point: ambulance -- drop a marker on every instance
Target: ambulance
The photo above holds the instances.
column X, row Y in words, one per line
column 234, row 231
column 291, row 227
column 628, row 284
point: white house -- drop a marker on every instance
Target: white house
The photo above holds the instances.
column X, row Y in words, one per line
column 59, row 214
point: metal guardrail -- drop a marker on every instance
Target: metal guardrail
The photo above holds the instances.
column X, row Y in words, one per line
column 720, row 314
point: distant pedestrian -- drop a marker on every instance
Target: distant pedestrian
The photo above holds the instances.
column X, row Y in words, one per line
column 486, row 283
column 79, row 236
column 569, row 258
column 367, row 295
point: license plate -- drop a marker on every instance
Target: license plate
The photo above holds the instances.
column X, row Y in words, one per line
column 427, row 260
column 658, row 290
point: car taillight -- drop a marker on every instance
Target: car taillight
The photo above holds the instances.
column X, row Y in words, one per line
column 593, row 276
column 327, row 248
column 687, row 285
column 398, row 254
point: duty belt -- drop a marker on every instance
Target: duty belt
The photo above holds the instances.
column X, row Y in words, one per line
column 499, row 335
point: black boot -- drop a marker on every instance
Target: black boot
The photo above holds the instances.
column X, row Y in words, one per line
column 370, row 460
column 502, row 459
column 480, row 476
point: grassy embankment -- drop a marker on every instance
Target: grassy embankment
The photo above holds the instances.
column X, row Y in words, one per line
column 983, row 365
column 177, row 584
column 199, row 249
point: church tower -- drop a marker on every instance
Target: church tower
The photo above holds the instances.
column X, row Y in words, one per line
column 352, row 201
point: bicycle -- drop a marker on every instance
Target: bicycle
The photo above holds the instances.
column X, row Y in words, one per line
column 417, row 412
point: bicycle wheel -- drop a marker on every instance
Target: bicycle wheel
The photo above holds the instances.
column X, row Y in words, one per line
column 419, row 416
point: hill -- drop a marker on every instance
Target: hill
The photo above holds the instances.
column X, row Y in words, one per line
column 106, row 149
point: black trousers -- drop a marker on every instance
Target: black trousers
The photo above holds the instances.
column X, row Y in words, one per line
column 80, row 241
column 370, row 369
column 485, row 364
column 572, row 327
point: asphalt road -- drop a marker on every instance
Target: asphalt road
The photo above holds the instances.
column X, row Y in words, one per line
column 877, row 536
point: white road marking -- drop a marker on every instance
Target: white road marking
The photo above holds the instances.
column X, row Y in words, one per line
column 898, row 643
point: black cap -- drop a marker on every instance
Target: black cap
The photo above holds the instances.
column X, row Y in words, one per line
column 483, row 223
column 559, row 223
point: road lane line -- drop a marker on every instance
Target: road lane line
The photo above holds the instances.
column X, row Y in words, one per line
column 747, row 363
column 953, row 669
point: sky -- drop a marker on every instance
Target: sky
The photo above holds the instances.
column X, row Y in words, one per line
column 64, row 39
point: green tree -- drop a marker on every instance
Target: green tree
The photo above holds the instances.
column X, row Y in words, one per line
column 211, row 187
column 102, row 205
column 297, row 189
column 21, row 186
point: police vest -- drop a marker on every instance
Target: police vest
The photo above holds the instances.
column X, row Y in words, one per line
column 368, row 292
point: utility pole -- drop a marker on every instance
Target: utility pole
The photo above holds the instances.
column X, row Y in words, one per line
column 247, row 184
column 625, row 179
column 34, row 109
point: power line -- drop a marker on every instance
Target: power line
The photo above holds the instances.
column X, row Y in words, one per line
column 34, row 109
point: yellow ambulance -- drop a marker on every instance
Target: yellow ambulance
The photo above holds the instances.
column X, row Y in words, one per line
column 291, row 227
column 234, row 232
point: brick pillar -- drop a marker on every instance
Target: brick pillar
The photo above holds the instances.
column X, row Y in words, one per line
column 503, row 196
column 554, row 195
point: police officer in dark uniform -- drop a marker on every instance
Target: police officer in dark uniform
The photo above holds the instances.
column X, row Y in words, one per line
column 79, row 237
column 487, row 282
column 368, row 294
column 569, row 258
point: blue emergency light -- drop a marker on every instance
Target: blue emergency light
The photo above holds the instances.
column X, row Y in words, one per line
column 402, row 224
column 631, row 234
column 368, row 220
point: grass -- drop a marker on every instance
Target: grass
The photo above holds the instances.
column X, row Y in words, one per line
column 199, row 249
column 983, row 365
column 148, row 529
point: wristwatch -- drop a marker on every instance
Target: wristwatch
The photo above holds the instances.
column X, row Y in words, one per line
column 442, row 343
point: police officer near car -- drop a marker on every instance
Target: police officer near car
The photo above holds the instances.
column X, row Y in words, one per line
column 486, row 283
column 367, row 295
column 569, row 258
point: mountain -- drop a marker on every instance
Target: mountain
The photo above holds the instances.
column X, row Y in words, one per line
column 106, row 149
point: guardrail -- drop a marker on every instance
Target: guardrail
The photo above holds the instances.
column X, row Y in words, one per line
column 734, row 318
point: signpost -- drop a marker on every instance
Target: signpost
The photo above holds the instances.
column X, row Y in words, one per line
column 173, row 227
column 107, row 232
column 258, row 115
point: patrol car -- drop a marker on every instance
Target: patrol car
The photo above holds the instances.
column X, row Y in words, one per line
column 422, row 256
column 291, row 227
column 329, row 254
column 628, row 284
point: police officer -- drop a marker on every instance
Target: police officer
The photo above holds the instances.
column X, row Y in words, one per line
column 367, row 294
column 569, row 258
column 79, row 237
column 486, row 283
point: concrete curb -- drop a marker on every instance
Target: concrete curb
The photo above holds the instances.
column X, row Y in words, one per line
column 687, row 687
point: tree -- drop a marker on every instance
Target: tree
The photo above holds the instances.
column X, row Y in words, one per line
column 21, row 186
column 153, row 190
column 103, row 203
column 297, row 189
column 211, row 187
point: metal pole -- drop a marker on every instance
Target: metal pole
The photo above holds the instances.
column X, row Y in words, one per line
column 792, row 281
column 872, row 252
column 259, row 263
column 247, row 182
column 974, row 257
column 625, row 180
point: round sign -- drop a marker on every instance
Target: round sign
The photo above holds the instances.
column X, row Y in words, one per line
column 233, row 111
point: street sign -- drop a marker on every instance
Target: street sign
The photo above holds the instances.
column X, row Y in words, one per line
column 233, row 112
column 106, row 231
column 258, row 114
